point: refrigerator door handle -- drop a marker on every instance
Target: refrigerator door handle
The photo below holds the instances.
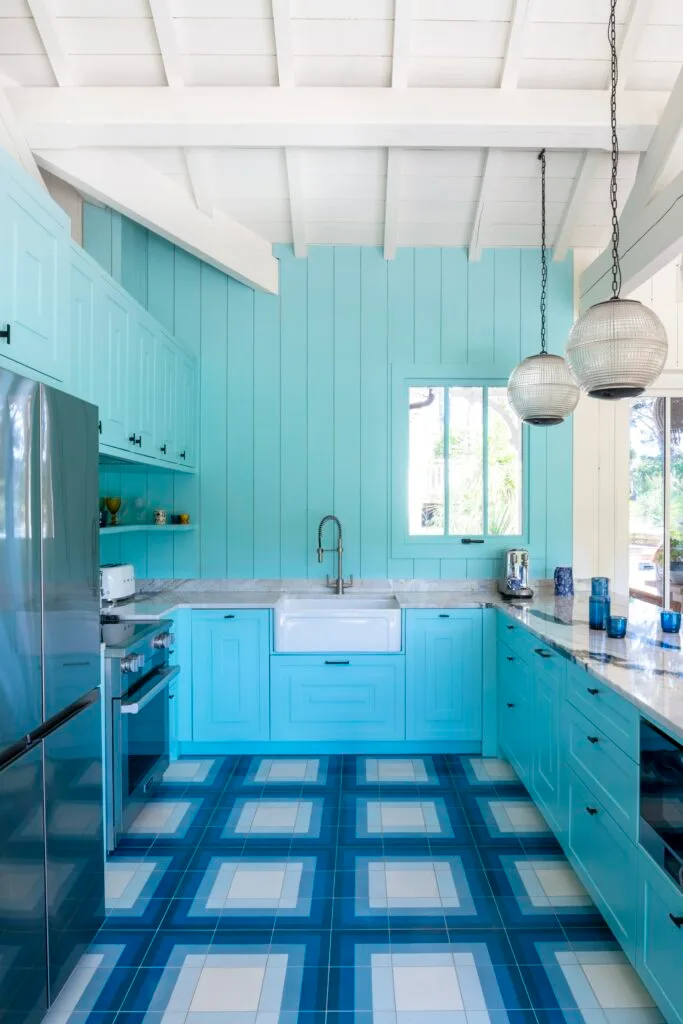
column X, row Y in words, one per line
column 10, row 754
column 142, row 699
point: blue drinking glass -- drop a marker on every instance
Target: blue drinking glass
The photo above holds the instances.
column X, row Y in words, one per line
column 600, row 586
column 671, row 622
column 616, row 626
column 598, row 612
column 564, row 581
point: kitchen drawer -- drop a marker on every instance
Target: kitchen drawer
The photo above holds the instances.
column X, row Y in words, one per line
column 605, row 859
column 611, row 713
column 516, row 636
column 603, row 767
column 515, row 693
column 339, row 697
column 660, row 950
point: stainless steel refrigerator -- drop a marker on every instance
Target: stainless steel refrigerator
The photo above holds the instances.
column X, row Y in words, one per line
column 51, row 846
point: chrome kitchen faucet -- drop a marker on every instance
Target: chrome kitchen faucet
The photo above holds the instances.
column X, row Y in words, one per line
column 340, row 584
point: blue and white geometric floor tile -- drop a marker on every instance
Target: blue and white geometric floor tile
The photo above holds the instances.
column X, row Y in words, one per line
column 347, row 890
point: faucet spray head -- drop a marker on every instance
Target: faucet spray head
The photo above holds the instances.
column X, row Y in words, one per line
column 320, row 554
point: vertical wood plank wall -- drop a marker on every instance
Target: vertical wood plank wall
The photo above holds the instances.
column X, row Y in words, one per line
column 294, row 389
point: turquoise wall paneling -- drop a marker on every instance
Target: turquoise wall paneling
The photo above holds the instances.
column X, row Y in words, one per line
column 295, row 391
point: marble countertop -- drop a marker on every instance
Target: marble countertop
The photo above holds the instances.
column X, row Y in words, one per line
column 646, row 667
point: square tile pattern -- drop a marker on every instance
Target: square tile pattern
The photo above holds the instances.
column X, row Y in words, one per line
column 347, row 890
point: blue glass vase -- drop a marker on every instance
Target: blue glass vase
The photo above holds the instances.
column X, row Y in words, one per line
column 598, row 612
column 564, row 581
column 600, row 586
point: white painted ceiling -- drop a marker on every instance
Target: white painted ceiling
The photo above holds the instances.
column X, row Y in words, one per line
column 339, row 195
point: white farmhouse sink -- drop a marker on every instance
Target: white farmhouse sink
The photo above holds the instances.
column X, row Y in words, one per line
column 337, row 624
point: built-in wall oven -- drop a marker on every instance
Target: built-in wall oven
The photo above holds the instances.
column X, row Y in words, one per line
column 661, row 799
column 138, row 680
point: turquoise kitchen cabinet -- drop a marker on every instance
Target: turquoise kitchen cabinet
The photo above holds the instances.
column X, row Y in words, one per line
column 444, row 675
column 660, row 949
column 230, row 651
column 606, row 709
column 515, row 703
column 34, row 272
column 549, row 668
column 141, row 415
column 351, row 697
column 112, row 368
column 166, row 376
column 84, row 322
column 185, row 405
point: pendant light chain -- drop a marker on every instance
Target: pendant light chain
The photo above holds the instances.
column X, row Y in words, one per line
column 544, row 259
column 614, row 77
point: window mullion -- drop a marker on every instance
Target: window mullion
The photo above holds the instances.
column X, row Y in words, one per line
column 446, row 457
column 666, row 561
column 485, row 459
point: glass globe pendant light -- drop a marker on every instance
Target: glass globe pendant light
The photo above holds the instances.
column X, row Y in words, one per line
column 618, row 347
column 541, row 389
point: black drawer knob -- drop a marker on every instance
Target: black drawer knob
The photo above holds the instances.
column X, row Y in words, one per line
column 677, row 920
column 228, row 616
column 593, row 739
column 510, row 627
column 592, row 811
column 510, row 705
column 593, row 690
column 509, row 657
column 541, row 653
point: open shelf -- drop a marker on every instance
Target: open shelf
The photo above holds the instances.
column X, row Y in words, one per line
column 148, row 527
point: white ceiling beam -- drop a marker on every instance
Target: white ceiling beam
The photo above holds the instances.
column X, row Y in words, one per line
column 652, row 238
column 11, row 137
column 403, row 17
column 168, row 43
column 296, row 201
column 284, row 48
column 477, row 234
column 46, row 23
column 514, row 51
column 131, row 186
column 630, row 38
column 202, row 174
column 572, row 211
column 654, row 160
column 391, row 203
column 332, row 117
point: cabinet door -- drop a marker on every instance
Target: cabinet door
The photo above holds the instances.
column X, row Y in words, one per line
column 515, row 687
column 186, row 407
column 142, row 386
column 547, row 733
column 165, row 411
column 34, row 285
column 84, row 326
column 660, row 951
column 355, row 697
column 112, row 369
column 230, row 676
column 444, row 675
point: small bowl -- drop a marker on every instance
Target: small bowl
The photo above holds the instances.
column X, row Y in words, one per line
column 616, row 626
column 671, row 622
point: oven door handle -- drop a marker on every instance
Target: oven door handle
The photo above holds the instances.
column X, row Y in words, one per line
column 157, row 684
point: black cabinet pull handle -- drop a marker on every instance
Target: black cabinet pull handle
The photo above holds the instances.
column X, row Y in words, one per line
column 509, row 657
column 131, row 438
column 444, row 615
column 6, row 334
column 182, row 454
column 99, row 426
column 138, row 440
column 337, row 662
column 677, row 920
column 593, row 691
column 163, row 449
column 592, row 811
column 510, row 627
column 541, row 653
column 510, row 705
column 593, row 739
column 171, row 696
column 228, row 616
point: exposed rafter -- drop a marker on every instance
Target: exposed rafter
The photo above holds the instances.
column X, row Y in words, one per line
column 630, row 38
column 487, row 178
column 168, row 44
column 391, row 203
column 572, row 210
column 514, row 51
column 334, row 117
column 284, row 50
column 296, row 201
column 403, row 16
column 134, row 188
column 46, row 23
column 202, row 175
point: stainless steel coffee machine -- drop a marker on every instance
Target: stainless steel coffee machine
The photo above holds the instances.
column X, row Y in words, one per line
column 515, row 581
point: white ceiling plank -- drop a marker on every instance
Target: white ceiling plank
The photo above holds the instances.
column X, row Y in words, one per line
column 132, row 187
column 46, row 23
column 391, row 202
column 297, row 210
column 572, row 210
column 514, row 51
column 284, row 50
column 202, row 175
column 487, row 178
column 649, row 240
column 168, row 43
column 12, row 139
column 652, row 163
column 403, row 17
column 332, row 117
column 631, row 37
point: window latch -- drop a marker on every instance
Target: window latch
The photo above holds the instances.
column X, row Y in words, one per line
column 472, row 540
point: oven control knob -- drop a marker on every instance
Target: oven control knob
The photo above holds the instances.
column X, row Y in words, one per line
column 163, row 641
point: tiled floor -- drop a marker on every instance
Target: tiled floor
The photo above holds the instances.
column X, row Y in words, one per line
column 372, row 890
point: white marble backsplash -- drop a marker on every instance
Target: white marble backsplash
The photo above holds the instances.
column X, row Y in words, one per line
column 309, row 586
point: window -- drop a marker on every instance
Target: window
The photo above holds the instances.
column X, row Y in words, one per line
column 465, row 474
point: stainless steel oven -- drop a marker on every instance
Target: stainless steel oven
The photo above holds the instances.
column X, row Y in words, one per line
column 137, row 680
column 661, row 799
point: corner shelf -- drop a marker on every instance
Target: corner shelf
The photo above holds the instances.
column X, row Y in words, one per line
column 148, row 528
